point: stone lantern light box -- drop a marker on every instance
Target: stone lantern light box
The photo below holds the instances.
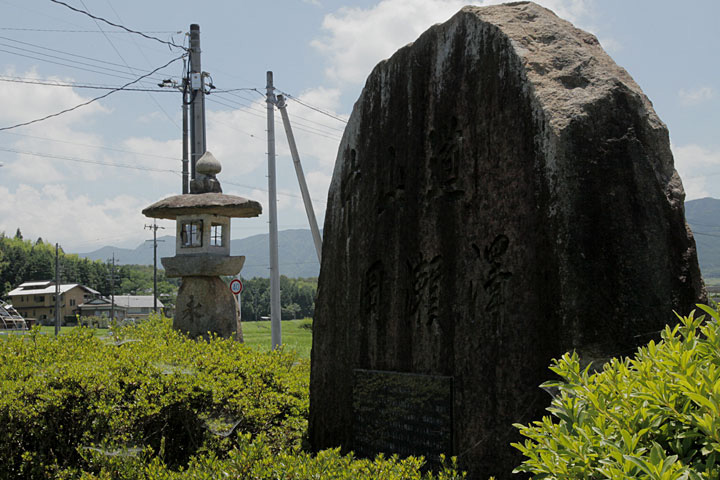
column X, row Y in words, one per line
column 202, row 251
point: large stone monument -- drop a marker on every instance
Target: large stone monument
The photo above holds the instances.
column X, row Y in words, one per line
column 503, row 193
column 204, row 303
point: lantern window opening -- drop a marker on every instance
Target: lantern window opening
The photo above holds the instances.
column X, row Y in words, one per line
column 216, row 235
column 191, row 233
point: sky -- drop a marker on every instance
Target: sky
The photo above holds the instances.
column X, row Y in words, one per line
column 83, row 177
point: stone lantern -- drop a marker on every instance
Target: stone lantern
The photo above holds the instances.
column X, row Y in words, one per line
column 202, row 252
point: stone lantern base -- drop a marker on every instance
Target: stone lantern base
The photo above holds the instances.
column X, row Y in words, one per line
column 205, row 304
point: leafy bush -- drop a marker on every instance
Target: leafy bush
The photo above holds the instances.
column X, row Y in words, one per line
column 655, row 416
column 147, row 389
column 255, row 459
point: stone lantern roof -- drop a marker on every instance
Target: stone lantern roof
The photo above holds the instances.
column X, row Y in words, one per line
column 206, row 203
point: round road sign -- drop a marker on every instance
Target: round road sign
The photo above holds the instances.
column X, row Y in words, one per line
column 236, row 286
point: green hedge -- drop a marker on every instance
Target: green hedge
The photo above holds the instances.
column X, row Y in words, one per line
column 655, row 416
column 255, row 459
column 150, row 404
column 147, row 388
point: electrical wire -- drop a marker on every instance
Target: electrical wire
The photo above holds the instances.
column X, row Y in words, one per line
column 167, row 115
column 150, row 37
column 77, row 85
column 295, row 116
column 311, row 107
column 58, row 51
column 84, row 160
column 248, row 109
column 101, row 147
column 79, row 31
column 123, row 77
column 93, row 99
column 266, row 191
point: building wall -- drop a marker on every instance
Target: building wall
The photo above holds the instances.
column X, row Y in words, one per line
column 42, row 307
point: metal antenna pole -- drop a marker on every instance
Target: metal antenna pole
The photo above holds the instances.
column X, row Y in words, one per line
column 275, row 311
column 301, row 177
column 57, row 290
column 197, row 88
column 112, row 289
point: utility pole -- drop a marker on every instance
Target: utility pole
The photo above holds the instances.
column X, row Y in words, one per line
column 197, row 105
column 154, row 228
column 185, row 179
column 301, row 177
column 112, row 289
column 275, row 311
column 57, row 290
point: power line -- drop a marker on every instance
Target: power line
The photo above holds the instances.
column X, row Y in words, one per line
column 57, row 51
column 311, row 107
column 167, row 115
column 77, row 85
column 266, row 191
column 150, row 37
column 91, row 100
column 248, row 109
column 102, row 147
column 295, row 116
column 80, row 31
column 124, row 76
column 84, row 160
column 706, row 234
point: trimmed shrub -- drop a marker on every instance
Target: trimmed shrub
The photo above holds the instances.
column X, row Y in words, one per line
column 256, row 459
column 654, row 416
column 147, row 389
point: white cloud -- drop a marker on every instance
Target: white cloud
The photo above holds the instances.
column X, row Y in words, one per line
column 356, row 39
column 698, row 167
column 24, row 102
column 76, row 221
column 695, row 96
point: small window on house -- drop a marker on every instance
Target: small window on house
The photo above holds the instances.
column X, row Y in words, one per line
column 216, row 232
column 72, row 302
column 40, row 298
column 191, row 234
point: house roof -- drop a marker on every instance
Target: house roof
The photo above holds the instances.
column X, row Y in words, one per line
column 136, row 301
column 45, row 288
column 123, row 301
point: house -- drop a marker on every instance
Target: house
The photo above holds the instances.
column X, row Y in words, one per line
column 37, row 300
column 138, row 306
column 102, row 307
column 126, row 306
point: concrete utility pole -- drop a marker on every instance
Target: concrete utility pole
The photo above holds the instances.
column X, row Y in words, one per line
column 154, row 228
column 185, row 172
column 197, row 107
column 275, row 310
column 57, row 289
column 301, row 177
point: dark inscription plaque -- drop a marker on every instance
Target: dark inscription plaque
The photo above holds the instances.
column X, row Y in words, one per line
column 402, row 413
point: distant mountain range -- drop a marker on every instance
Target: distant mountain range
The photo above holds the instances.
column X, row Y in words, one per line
column 298, row 257
column 296, row 252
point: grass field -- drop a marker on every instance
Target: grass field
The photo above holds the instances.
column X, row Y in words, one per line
column 296, row 335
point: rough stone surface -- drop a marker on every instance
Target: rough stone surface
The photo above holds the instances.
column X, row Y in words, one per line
column 209, row 203
column 503, row 193
column 202, row 265
column 205, row 304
